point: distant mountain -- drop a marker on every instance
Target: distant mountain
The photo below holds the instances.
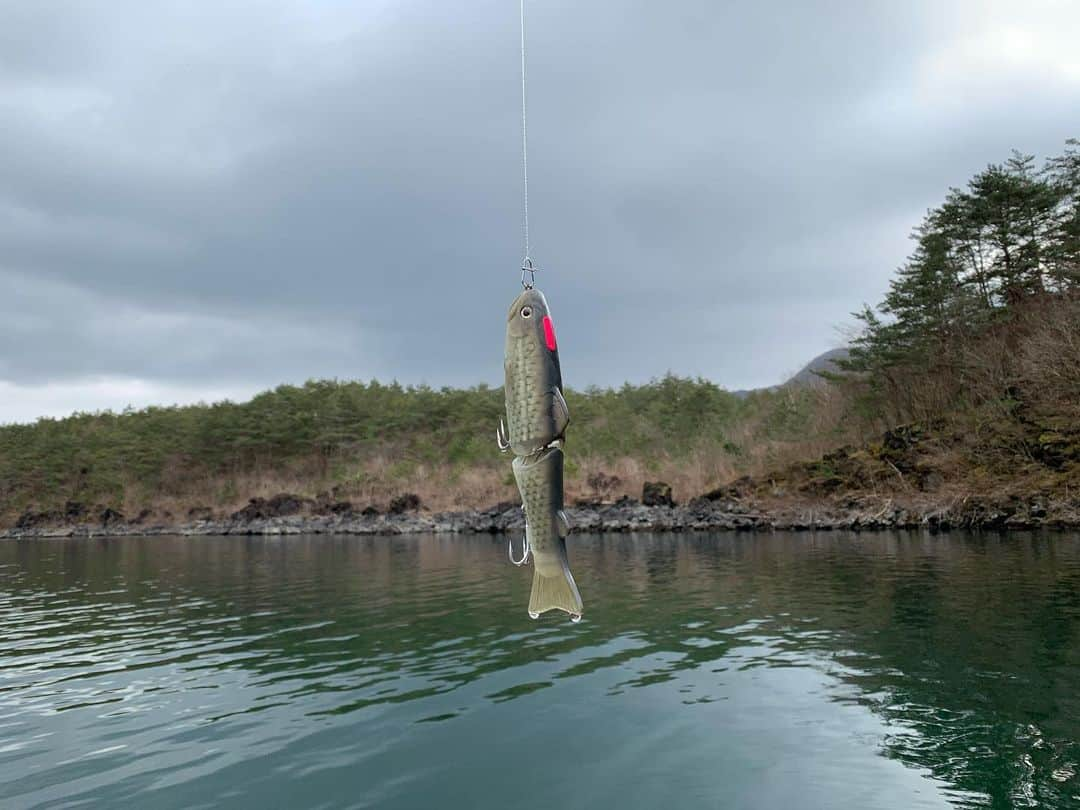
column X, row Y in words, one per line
column 808, row 374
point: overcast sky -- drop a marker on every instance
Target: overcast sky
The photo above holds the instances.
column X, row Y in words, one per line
column 201, row 200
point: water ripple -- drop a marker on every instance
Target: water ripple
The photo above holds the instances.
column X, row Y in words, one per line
column 820, row 670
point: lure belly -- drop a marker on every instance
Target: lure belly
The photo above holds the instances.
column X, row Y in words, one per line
column 536, row 421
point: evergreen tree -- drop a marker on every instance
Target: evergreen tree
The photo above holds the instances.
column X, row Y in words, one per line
column 1012, row 233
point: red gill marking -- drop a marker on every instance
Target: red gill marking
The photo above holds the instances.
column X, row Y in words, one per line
column 549, row 334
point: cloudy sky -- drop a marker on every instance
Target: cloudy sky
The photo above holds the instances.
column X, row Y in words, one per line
column 201, row 200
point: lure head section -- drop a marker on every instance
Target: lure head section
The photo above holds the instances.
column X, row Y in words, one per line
column 529, row 317
column 535, row 408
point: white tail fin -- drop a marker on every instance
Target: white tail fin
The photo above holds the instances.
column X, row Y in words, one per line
column 558, row 592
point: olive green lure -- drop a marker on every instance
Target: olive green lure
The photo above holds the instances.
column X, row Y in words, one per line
column 536, row 420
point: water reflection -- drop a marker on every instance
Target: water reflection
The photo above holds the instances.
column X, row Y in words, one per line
column 826, row 670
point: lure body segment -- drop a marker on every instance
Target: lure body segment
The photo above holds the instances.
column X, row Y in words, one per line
column 540, row 481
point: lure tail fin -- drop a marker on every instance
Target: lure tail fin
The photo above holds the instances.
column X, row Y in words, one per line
column 555, row 591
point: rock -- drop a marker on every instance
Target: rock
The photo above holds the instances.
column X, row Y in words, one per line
column 863, row 512
column 34, row 520
column 142, row 517
column 329, row 503
column 284, row 504
column 409, row 502
column 739, row 488
column 1055, row 448
column 110, row 515
column 73, row 510
column 587, row 503
column 256, row 509
column 656, row 493
column 900, row 446
column 902, row 437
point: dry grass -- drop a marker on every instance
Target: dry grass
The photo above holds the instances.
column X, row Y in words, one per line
column 377, row 478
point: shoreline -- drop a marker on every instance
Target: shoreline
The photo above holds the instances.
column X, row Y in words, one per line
column 626, row 515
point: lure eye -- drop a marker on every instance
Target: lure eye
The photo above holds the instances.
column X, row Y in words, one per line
column 526, row 312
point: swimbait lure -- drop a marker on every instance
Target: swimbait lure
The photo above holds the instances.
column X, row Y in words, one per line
column 537, row 416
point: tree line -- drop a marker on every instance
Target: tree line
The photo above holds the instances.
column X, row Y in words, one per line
column 331, row 432
column 1009, row 239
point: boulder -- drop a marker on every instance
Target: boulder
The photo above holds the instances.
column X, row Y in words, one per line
column 74, row 510
column 32, row 520
column 656, row 493
column 285, row 504
column 328, row 503
column 255, row 510
column 110, row 516
column 408, row 502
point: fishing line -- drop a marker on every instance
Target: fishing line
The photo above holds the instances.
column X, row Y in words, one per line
column 526, row 263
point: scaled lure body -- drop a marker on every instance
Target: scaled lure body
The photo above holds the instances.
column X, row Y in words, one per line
column 537, row 417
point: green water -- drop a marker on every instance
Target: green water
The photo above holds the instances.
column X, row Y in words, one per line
column 741, row 671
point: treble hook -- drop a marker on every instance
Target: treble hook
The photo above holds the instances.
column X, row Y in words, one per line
column 524, row 550
column 527, row 266
column 524, row 547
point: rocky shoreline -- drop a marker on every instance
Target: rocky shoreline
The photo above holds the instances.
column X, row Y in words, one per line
column 625, row 515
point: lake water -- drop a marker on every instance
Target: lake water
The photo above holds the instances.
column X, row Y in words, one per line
column 745, row 671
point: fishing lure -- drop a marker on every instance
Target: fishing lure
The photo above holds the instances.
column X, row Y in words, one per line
column 537, row 417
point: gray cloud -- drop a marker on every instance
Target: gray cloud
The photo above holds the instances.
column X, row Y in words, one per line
column 248, row 193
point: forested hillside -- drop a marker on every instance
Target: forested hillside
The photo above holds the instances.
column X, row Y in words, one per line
column 975, row 349
column 368, row 442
